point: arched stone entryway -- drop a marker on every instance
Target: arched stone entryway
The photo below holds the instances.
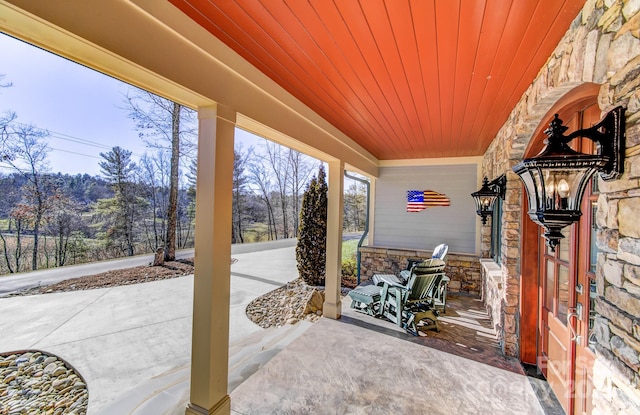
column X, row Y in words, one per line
column 517, row 324
column 555, row 286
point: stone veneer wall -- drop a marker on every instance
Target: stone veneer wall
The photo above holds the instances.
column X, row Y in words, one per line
column 462, row 269
column 601, row 46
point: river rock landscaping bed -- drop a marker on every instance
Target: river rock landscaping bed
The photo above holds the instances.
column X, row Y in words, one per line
column 287, row 305
column 37, row 383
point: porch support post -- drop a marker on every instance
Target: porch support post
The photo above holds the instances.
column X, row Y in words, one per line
column 212, row 273
column 332, row 307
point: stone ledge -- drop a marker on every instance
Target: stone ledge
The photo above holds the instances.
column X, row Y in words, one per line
column 492, row 271
column 463, row 269
column 493, row 294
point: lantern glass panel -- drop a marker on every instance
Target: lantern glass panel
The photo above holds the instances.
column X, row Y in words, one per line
column 530, row 187
column 487, row 203
column 561, row 189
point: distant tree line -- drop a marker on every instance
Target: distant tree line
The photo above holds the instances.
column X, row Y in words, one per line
column 81, row 218
column 52, row 219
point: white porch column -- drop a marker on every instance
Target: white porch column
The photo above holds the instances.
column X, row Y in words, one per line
column 332, row 307
column 212, row 274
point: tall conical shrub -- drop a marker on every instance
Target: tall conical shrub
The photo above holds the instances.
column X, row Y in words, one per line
column 311, row 250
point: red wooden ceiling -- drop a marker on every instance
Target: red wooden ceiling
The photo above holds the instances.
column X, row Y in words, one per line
column 403, row 78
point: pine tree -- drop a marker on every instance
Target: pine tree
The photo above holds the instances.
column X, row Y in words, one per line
column 312, row 235
column 118, row 169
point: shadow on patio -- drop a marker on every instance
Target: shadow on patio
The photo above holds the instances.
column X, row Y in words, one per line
column 363, row 365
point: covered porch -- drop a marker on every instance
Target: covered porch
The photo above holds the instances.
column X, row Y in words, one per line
column 363, row 365
column 422, row 96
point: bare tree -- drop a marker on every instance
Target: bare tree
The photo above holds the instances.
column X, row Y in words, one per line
column 186, row 217
column 26, row 153
column 191, row 196
column 5, row 252
column 239, row 188
column 19, row 215
column 355, row 201
column 63, row 218
column 5, row 125
column 155, row 175
column 260, row 179
column 277, row 159
column 300, row 173
column 5, row 121
column 167, row 125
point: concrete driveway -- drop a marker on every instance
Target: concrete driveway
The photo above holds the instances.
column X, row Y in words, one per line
column 119, row 337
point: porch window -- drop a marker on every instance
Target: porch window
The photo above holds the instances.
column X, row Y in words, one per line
column 593, row 199
column 593, row 259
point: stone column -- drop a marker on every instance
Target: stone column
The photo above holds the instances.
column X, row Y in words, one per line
column 212, row 274
column 332, row 307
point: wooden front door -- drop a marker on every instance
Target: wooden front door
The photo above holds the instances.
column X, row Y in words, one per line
column 557, row 287
column 585, row 305
column 586, row 287
column 567, row 287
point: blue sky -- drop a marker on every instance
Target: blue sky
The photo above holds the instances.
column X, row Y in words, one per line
column 81, row 108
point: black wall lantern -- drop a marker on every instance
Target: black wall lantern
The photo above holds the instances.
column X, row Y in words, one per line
column 556, row 178
column 485, row 198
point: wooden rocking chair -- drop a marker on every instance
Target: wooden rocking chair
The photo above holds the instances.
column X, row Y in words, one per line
column 412, row 304
column 408, row 304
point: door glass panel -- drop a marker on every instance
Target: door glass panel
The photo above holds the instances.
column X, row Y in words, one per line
column 563, row 293
column 550, row 289
column 563, row 247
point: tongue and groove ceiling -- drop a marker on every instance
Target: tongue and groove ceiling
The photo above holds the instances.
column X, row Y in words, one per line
column 405, row 79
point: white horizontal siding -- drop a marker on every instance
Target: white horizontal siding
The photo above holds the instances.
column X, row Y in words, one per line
column 454, row 225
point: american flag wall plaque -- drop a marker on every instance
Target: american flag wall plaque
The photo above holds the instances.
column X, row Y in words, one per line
column 418, row 200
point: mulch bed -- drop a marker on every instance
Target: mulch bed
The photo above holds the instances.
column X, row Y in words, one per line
column 114, row 278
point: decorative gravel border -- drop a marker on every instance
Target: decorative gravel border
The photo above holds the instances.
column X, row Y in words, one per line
column 288, row 304
column 38, row 383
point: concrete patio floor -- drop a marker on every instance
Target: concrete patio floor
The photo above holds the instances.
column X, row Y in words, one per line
column 363, row 365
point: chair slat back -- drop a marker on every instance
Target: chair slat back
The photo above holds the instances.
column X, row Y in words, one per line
column 424, row 277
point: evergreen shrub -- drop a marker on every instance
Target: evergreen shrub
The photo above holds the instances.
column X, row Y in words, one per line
column 311, row 250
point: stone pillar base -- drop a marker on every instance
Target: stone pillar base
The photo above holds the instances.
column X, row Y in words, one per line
column 221, row 408
column 332, row 310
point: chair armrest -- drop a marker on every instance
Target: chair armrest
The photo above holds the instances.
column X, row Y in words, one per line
column 393, row 284
column 390, row 281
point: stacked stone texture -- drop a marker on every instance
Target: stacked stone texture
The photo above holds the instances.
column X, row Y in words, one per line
column 602, row 46
column 463, row 270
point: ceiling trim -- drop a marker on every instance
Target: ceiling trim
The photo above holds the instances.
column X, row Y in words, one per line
column 440, row 161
